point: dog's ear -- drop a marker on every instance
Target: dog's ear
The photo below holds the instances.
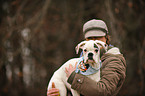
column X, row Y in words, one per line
column 101, row 44
column 80, row 46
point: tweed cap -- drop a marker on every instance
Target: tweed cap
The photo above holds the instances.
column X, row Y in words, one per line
column 95, row 28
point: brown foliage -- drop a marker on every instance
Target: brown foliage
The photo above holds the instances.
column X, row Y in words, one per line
column 38, row 36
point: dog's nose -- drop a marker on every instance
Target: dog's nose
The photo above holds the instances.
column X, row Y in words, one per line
column 90, row 56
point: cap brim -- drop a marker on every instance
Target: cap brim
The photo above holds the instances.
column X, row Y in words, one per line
column 94, row 33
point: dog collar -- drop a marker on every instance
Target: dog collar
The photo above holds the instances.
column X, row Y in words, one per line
column 86, row 69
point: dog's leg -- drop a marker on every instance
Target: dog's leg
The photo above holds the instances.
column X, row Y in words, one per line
column 60, row 79
column 75, row 93
column 59, row 85
column 62, row 89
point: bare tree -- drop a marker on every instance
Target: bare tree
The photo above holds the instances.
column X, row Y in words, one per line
column 37, row 37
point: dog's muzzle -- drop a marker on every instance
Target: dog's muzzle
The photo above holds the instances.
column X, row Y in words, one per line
column 90, row 56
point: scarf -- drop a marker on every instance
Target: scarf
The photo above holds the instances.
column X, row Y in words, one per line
column 86, row 69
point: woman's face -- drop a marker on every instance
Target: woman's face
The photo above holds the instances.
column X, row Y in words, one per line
column 97, row 38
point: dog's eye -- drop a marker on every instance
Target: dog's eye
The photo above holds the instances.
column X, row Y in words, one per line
column 96, row 50
column 85, row 50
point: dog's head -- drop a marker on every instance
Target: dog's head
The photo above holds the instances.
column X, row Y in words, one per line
column 91, row 51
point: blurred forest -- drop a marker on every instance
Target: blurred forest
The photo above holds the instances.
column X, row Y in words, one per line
column 38, row 36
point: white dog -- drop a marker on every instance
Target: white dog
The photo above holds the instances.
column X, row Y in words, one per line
column 89, row 64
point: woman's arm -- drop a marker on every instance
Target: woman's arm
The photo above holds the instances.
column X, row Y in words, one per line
column 112, row 77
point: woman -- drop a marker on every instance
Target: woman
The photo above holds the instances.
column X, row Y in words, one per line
column 113, row 70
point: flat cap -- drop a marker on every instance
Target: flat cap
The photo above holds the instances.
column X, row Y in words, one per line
column 95, row 28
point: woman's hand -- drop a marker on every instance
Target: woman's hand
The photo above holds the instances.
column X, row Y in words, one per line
column 70, row 69
column 54, row 91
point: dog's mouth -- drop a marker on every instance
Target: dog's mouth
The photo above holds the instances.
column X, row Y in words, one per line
column 90, row 61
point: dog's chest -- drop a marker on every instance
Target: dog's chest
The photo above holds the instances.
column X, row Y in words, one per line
column 95, row 77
